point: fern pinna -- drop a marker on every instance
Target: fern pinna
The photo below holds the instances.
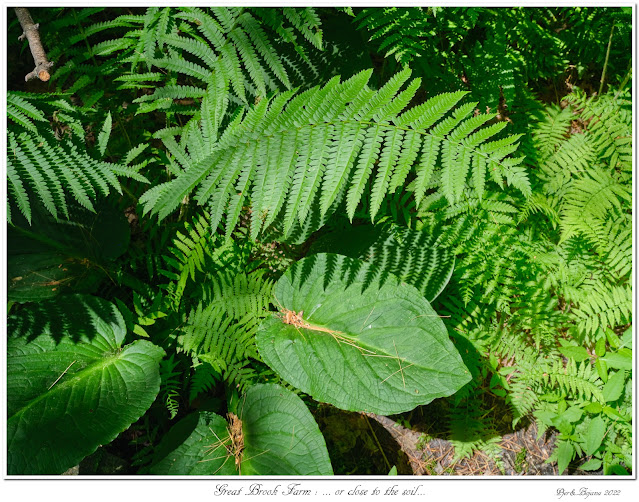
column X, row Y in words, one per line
column 334, row 139
column 44, row 171
column 221, row 43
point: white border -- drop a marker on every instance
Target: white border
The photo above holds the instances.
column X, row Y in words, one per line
column 493, row 488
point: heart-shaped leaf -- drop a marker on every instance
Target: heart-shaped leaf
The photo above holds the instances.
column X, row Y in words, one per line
column 356, row 344
column 71, row 385
column 273, row 434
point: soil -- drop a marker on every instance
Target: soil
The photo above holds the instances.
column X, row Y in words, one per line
column 522, row 454
column 369, row 444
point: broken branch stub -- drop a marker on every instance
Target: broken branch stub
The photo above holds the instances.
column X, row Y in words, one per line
column 30, row 31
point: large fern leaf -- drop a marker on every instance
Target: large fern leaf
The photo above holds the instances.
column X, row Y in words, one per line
column 54, row 171
column 332, row 140
column 230, row 42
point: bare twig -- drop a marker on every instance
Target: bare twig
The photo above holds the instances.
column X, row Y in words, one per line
column 30, row 31
column 57, row 379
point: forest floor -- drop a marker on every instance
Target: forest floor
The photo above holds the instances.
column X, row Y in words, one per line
column 519, row 453
column 365, row 444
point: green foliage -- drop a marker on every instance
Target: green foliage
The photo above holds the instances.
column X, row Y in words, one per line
column 413, row 256
column 231, row 42
column 325, row 143
column 51, row 172
column 265, row 196
column 42, row 168
column 250, row 443
column 217, row 340
column 71, row 385
column 170, row 385
column 498, row 54
column 48, row 258
column 399, row 30
column 355, row 343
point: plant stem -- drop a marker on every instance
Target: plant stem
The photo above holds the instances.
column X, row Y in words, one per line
column 603, row 73
column 377, row 441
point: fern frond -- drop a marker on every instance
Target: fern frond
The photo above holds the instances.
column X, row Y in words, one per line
column 172, row 92
column 170, row 385
column 615, row 246
column 329, row 148
column 55, row 171
column 232, row 43
column 196, row 252
column 574, row 156
column 578, row 380
column 22, row 112
column 238, row 295
column 104, row 134
column 592, row 197
column 134, row 152
column 521, row 399
column 188, row 254
column 219, row 341
column 550, row 132
column 603, row 306
column 522, row 394
column 493, row 263
column 609, row 128
column 204, row 378
column 539, row 203
column 401, row 31
column 18, row 193
column 470, row 431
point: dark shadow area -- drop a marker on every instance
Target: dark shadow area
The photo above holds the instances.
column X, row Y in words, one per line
column 411, row 255
column 358, row 444
column 50, row 258
column 70, row 316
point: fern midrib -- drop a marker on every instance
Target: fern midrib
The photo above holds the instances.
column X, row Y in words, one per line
column 355, row 122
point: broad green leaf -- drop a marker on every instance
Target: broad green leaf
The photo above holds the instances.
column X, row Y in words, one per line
column 197, row 444
column 273, row 434
column 573, row 414
column 615, row 415
column 280, row 434
column 412, row 255
column 594, row 435
column 71, row 384
column 593, row 408
column 592, row 465
column 577, row 353
column 614, row 387
column 616, row 470
column 602, row 369
column 613, row 339
column 565, row 452
column 563, row 425
column 622, row 359
column 356, row 344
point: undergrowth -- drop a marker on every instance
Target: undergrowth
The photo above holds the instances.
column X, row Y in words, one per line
column 232, row 141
